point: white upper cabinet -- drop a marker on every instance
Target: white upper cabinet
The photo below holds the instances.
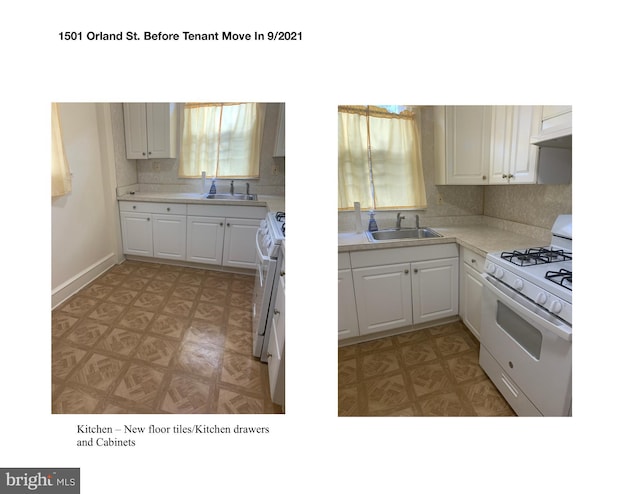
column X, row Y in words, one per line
column 151, row 130
column 462, row 139
column 513, row 159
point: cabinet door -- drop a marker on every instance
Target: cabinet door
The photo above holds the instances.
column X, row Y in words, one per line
column 135, row 130
column 137, row 234
column 169, row 236
column 160, row 130
column 434, row 289
column 467, row 142
column 500, row 145
column 471, row 299
column 240, row 243
column 513, row 158
column 524, row 155
column 347, row 316
column 383, row 297
column 205, row 239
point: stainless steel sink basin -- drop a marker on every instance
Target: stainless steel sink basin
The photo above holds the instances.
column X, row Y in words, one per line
column 234, row 197
column 402, row 234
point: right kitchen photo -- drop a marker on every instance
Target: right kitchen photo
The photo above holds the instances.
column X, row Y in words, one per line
column 454, row 260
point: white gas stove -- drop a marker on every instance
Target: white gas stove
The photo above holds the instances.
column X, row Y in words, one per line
column 542, row 274
column 526, row 331
column 269, row 238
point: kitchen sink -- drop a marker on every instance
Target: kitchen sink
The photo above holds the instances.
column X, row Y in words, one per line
column 402, row 234
column 233, row 197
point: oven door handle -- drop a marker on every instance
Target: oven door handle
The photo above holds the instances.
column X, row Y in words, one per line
column 262, row 257
column 527, row 309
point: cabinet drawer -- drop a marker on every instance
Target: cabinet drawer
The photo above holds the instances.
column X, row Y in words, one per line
column 476, row 261
column 379, row 257
column 153, row 207
column 227, row 211
column 511, row 392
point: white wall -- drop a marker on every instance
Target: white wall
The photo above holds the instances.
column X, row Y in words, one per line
column 84, row 240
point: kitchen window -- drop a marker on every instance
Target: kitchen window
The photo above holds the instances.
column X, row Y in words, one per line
column 221, row 139
column 379, row 158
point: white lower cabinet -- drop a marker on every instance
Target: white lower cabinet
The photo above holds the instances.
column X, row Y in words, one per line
column 169, row 233
column 471, row 265
column 347, row 316
column 240, row 243
column 206, row 234
column 205, row 239
column 154, row 229
column 383, row 297
column 434, row 288
column 397, row 294
column 137, row 233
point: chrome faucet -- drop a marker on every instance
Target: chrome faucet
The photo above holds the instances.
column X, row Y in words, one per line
column 417, row 222
column 231, row 188
column 247, row 188
column 398, row 220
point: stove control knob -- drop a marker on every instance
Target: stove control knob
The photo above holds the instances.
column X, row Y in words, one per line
column 518, row 284
column 555, row 307
column 491, row 268
column 541, row 298
column 499, row 273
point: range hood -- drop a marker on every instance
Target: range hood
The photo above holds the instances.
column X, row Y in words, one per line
column 562, row 138
column 555, row 128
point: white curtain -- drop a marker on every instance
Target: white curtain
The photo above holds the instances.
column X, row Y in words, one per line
column 60, row 174
column 222, row 139
column 391, row 175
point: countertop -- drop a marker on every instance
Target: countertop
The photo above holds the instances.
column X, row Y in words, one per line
column 479, row 238
column 273, row 203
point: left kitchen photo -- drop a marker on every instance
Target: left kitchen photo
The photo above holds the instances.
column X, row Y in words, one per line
column 168, row 258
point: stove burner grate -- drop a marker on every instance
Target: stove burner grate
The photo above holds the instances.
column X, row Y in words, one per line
column 562, row 278
column 536, row 255
column 280, row 217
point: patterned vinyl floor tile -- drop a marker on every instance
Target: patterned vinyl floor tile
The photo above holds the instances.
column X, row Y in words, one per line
column 151, row 338
column 429, row 372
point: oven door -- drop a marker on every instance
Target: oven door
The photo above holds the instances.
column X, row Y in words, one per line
column 531, row 346
column 262, row 291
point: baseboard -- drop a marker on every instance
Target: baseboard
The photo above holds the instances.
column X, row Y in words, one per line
column 397, row 331
column 65, row 290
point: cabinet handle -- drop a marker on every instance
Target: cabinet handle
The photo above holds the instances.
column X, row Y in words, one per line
column 168, row 209
column 149, row 153
column 135, row 207
column 415, row 270
column 484, row 177
column 406, row 271
column 269, row 355
column 276, row 312
column 504, row 175
column 473, row 261
column 281, row 273
column 144, row 154
column 221, row 223
column 228, row 224
column 148, row 219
